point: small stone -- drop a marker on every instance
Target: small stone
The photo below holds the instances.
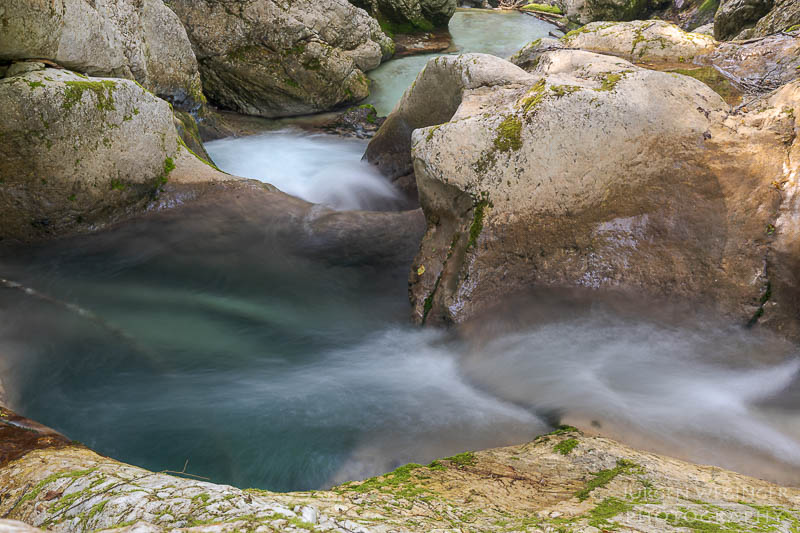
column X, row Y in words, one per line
column 23, row 67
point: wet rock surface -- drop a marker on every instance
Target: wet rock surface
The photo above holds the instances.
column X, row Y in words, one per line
column 562, row 480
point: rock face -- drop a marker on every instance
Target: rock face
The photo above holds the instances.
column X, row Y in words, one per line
column 735, row 15
column 405, row 16
column 585, row 11
column 78, row 151
column 745, row 19
column 784, row 15
column 561, row 481
column 591, row 172
column 268, row 58
column 134, row 39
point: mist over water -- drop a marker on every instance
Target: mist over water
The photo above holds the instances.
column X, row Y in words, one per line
column 285, row 372
column 320, row 168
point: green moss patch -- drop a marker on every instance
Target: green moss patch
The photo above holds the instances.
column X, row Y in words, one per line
column 565, row 446
column 609, row 508
column 543, row 8
column 716, row 81
column 604, row 477
column 509, row 134
column 103, row 91
column 463, row 459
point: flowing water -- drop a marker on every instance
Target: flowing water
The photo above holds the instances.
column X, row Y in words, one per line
column 321, row 168
column 212, row 340
column 327, row 169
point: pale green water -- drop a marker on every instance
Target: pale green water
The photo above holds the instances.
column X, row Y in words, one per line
column 500, row 33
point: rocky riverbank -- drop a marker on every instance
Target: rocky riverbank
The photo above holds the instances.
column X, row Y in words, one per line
column 627, row 156
column 564, row 481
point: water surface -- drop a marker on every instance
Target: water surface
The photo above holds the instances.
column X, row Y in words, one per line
column 499, row 33
column 321, row 168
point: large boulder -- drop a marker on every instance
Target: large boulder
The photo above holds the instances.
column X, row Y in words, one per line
column 784, row 15
column 390, row 149
column 585, row 11
column 135, row 39
column 745, row 19
column 403, row 16
column 735, row 15
column 592, row 172
column 77, row 151
column 269, row 58
column 641, row 40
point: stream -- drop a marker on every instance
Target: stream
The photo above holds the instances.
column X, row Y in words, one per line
column 207, row 339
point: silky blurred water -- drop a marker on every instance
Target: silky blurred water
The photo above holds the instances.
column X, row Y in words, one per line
column 499, row 33
column 321, row 168
column 266, row 368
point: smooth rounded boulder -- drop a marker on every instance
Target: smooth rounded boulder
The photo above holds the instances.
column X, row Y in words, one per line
column 273, row 59
column 77, row 151
column 141, row 40
column 591, row 172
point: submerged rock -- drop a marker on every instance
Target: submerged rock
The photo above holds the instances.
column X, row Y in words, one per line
column 272, row 59
column 592, row 172
column 78, row 151
column 135, row 39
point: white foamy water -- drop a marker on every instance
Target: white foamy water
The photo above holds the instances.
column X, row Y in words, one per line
column 320, row 168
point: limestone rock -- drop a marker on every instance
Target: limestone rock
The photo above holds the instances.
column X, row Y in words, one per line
column 268, row 58
column 570, row 175
column 410, row 15
column 78, row 151
column 641, row 40
column 585, row 11
column 733, row 16
column 564, row 480
column 135, row 39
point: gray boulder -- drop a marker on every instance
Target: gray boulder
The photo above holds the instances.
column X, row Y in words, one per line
column 136, row 39
column 591, row 172
column 404, row 16
column 268, row 58
column 77, row 152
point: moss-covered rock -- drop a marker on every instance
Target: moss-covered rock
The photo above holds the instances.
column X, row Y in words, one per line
column 584, row 192
column 78, row 151
column 585, row 11
column 641, row 40
column 408, row 16
column 744, row 19
column 135, row 39
column 564, row 481
column 271, row 59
